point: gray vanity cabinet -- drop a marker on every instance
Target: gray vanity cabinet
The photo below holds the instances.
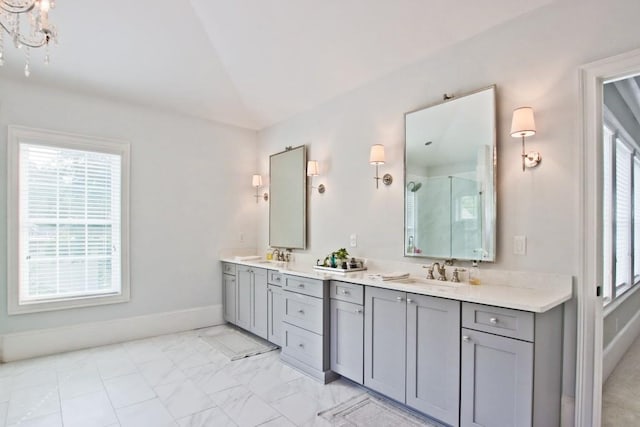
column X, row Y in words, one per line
column 347, row 330
column 229, row 291
column 433, row 357
column 251, row 311
column 259, row 303
column 305, row 326
column 243, row 300
column 497, row 380
column 511, row 367
column 275, row 312
column 385, row 327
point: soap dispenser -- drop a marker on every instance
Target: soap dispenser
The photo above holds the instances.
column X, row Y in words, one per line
column 410, row 246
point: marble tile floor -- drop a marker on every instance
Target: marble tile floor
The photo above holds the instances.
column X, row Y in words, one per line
column 170, row 380
column 620, row 403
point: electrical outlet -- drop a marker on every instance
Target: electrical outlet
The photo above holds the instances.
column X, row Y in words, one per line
column 353, row 240
column 519, row 245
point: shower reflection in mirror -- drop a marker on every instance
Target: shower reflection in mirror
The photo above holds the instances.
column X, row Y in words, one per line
column 449, row 176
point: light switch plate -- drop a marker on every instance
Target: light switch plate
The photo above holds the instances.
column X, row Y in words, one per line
column 519, row 245
column 353, row 240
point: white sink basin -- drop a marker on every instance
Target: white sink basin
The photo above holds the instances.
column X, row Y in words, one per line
column 268, row 261
column 428, row 282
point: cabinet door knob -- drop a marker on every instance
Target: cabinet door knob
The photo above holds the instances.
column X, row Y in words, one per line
column 359, row 310
column 399, row 298
column 466, row 338
column 269, row 290
column 409, row 300
column 494, row 320
column 301, row 345
column 301, row 311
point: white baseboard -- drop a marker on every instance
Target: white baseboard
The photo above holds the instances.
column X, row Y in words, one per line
column 619, row 346
column 41, row 342
column 568, row 411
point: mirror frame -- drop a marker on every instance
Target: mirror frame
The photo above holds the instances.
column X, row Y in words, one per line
column 491, row 255
column 303, row 177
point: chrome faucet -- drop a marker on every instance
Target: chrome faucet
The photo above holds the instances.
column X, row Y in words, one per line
column 277, row 257
column 442, row 274
column 429, row 271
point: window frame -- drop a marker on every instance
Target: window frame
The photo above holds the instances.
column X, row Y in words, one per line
column 618, row 133
column 47, row 138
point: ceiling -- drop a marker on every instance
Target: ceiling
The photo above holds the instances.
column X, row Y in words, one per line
column 249, row 63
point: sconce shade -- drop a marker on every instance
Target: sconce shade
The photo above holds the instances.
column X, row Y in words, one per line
column 376, row 156
column 312, row 168
column 523, row 123
column 256, row 181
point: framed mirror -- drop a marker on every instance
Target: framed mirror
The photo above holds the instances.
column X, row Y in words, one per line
column 288, row 199
column 450, row 172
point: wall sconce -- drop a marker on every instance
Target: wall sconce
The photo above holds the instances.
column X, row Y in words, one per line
column 313, row 170
column 256, row 181
column 524, row 125
column 376, row 157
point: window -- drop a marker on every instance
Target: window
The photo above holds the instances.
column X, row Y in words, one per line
column 621, row 205
column 68, row 221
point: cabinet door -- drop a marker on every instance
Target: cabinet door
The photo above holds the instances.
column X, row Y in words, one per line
column 433, row 356
column 497, row 380
column 244, row 288
column 229, row 297
column 275, row 311
column 259, row 303
column 347, row 340
column 385, row 326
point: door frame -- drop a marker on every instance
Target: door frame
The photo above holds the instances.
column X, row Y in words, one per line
column 588, row 404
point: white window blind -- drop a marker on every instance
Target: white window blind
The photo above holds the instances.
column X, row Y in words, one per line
column 623, row 213
column 69, row 223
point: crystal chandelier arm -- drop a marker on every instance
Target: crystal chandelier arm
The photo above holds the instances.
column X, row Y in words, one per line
column 34, row 43
column 19, row 7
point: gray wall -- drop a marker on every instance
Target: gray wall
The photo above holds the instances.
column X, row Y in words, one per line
column 190, row 197
column 619, row 317
column 534, row 61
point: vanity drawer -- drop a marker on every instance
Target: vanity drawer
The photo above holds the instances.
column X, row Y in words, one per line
column 348, row 292
column 228, row 268
column 302, row 285
column 500, row 321
column 275, row 278
column 303, row 311
column 302, row 345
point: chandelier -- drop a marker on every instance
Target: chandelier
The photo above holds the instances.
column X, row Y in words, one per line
column 16, row 14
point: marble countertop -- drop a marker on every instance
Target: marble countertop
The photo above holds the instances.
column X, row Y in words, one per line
column 517, row 290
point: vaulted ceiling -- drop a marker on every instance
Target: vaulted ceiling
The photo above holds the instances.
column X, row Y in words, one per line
column 250, row 63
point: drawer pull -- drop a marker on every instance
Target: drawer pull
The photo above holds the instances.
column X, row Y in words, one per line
column 465, row 338
column 359, row 310
column 409, row 300
column 494, row 320
column 301, row 285
column 399, row 298
column 301, row 311
column 277, row 278
column 345, row 292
